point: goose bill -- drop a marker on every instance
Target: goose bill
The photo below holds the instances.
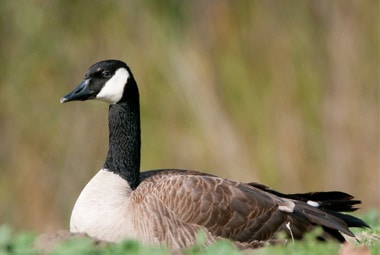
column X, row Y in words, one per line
column 82, row 92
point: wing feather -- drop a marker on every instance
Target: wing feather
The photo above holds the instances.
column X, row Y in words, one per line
column 184, row 202
column 222, row 207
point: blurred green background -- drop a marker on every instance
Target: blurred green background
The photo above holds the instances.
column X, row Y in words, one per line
column 281, row 92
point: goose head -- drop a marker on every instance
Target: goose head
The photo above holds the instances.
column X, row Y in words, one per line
column 112, row 81
column 105, row 81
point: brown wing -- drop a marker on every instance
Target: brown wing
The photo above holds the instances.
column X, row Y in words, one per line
column 182, row 202
column 225, row 208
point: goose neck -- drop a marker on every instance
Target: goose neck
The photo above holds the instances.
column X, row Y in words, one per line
column 124, row 141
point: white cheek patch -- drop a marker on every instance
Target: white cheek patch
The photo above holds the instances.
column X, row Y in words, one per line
column 114, row 87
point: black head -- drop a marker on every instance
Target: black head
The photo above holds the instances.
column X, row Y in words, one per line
column 105, row 80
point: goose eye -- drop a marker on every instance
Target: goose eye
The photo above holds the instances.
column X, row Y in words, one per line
column 106, row 74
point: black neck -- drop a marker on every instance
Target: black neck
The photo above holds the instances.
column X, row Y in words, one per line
column 125, row 136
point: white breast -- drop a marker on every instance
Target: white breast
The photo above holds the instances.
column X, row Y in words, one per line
column 101, row 210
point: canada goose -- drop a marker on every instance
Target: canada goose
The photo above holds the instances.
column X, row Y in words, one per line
column 169, row 206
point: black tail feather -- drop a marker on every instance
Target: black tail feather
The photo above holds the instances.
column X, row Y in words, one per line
column 323, row 209
column 350, row 220
column 330, row 200
column 321, row 218
column 331, row 233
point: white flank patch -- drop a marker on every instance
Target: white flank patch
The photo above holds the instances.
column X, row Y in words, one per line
column 312, row 203
column 287, row 206
column 114, row 87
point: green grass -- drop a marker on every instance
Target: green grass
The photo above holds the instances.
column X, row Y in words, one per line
column 23, row 243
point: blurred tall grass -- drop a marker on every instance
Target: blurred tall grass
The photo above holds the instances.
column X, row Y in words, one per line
column 281, row 92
